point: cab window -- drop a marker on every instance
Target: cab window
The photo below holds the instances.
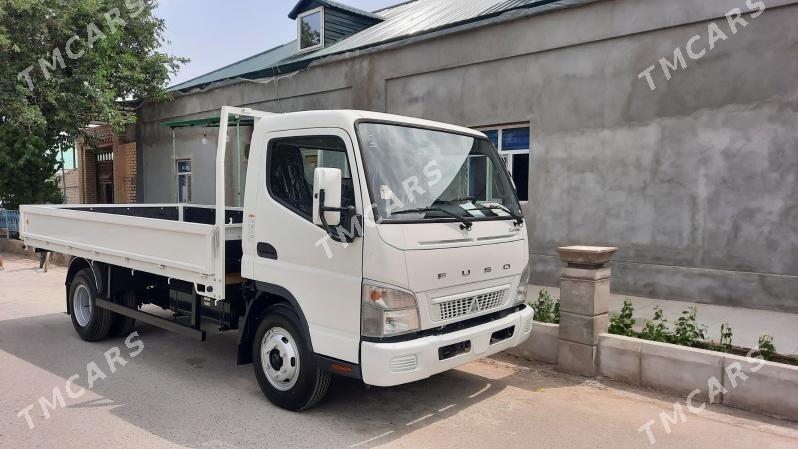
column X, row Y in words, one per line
column 291, row 164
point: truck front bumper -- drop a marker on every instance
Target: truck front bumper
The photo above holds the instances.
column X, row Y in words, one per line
column 388, row 364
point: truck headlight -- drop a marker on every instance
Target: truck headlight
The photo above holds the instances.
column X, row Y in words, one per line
column 523, row 285
column 388, row 311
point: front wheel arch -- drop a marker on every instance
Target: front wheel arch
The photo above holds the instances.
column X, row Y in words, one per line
column 268, row 295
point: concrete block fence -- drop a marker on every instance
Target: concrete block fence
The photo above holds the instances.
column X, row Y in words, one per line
column 544, row 346
column 748, row 384
column 581, row 345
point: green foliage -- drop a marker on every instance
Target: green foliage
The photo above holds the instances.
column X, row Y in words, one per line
column 726, row 338
column 109, row 62
column 656, row 329
column 557, row 312
column 687, row 331
column 547, row 309
column 26, row 169
column 725, row 344
column 766, row 347
column 623, row 323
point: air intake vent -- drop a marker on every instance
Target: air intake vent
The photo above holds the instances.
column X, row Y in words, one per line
column 404, row 363
column 528, row 326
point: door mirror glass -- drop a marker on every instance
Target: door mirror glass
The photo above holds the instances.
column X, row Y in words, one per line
column 327, row 189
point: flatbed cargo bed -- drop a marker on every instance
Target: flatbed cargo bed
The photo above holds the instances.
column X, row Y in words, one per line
column 173, row 240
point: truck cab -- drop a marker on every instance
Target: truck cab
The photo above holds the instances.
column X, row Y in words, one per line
column 373, row 246
column 421, row 262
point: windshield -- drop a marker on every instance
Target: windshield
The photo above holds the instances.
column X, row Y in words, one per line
column 420, row 174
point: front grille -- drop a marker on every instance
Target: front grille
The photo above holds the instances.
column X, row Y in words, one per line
column 470, row 305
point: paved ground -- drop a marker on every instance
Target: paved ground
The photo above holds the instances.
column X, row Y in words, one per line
column 747, row 324
column 181, row 393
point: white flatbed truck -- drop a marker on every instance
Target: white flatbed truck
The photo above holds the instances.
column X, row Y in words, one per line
column 373, row 246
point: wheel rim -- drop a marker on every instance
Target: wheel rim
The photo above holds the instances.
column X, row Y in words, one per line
column 81, row 305
column 279, row 356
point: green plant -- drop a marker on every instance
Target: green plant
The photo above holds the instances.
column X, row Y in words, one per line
column 766, row 347
column 687, row 331
column 557, row 312
column 623, row 323
column 547, row 309
column 44, row 108
column 725, row 338
column 656, row 329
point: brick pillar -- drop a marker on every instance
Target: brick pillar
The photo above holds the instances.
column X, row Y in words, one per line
column 125, row 173
column 584, row 303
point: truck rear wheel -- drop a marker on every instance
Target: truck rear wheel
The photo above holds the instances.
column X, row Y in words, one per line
column 91, row 322
column 284, row 366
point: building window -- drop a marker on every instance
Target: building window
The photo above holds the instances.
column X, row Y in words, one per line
column 184, row 181
column 514, row 144
column 310, row 26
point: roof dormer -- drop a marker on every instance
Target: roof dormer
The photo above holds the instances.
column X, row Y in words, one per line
column 321, row 23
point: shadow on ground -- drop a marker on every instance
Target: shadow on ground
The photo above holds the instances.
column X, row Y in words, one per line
column 193, row 394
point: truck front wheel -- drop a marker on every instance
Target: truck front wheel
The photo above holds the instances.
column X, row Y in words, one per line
column 91, row 322
column 284, row 366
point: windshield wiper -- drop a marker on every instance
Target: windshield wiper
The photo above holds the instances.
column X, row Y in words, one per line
column 466, row 223
column 465, row 199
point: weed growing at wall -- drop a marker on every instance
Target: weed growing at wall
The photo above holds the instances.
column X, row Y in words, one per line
column 656, row 329
column 687, row 331
column 766, row 347
column 547, row 309
column 725, row 344
column 623, row 323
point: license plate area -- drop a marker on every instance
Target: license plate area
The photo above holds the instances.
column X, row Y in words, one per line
column 450, row 351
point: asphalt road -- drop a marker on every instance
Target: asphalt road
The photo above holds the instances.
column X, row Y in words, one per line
column 182, row 393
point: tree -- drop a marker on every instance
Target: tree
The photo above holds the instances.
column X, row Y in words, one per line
column 26, row 161
column 65, row 64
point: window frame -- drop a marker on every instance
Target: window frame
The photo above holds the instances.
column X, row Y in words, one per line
column 299, row 18
column 509, row 161
column 374, row 210
column 188, row 175
column 269, row 158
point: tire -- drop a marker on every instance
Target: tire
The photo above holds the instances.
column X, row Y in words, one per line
column 122, row 326
column 278, row 340
column 92, row 323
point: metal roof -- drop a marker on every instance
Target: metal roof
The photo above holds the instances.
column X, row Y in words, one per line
column 402, row 21
column 209, row 122
column 298, row 8
column 267, row 59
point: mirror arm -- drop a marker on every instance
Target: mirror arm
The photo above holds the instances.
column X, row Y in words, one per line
column 350, row 211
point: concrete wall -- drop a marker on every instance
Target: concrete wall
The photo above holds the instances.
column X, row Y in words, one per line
column 696, row 182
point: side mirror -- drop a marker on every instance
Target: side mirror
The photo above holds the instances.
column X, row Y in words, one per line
column 327, row 196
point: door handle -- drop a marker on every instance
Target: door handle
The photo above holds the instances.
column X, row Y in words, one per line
column 266, row 251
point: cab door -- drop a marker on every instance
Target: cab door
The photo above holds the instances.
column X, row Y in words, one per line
column 323, row 275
